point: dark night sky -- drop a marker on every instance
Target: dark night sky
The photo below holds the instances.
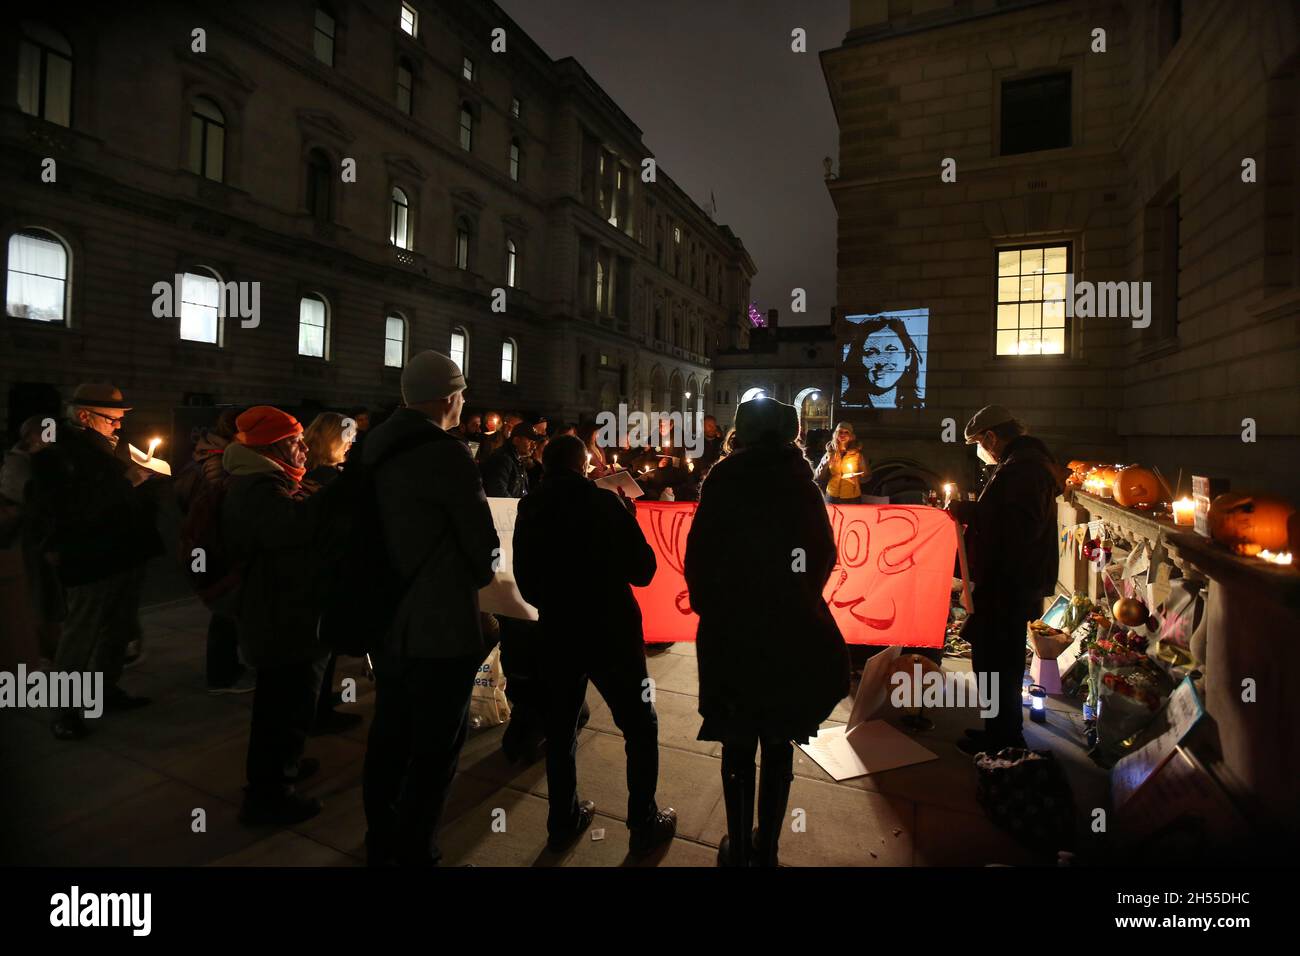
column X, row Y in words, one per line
column 726, row 106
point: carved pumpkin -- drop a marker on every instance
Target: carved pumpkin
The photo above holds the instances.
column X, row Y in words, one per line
column 1138, row 487
column 1246, row 522
column 1130, row 612
column 1106, row 473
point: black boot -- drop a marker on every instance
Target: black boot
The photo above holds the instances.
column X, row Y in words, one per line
column 773, row 795
column 738, row 798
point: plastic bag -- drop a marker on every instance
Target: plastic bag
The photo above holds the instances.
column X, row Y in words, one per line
column 488, row 706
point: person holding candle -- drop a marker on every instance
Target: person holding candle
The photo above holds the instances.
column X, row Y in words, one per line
column 1011, row 548
column 598, row 468
column 94, row 518
column 843, row 467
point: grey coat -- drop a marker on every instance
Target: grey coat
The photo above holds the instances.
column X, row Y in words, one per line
column 438, row 527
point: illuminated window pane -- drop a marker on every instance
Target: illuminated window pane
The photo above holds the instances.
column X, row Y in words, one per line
column 1009, row 289
column 38, row 278
column 200, row 307
column 1031, row 290
column 457, row 351
column 311, row 327
column 409, row 19
column 1054, row 314
column 1007, row 343
column 507, row 361
column 1055, row 259
column 1009, row 263
column 1054, row 341
column 1031, row 287
column 1054, row 287
column 394, row 341
column 1031, row 261
column 1007, row 316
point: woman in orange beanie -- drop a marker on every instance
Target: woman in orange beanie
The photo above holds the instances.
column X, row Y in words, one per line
column 272, row 530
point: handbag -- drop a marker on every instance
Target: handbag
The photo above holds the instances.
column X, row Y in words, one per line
column 1026, row 793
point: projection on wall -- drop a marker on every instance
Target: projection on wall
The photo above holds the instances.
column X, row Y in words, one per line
column 883, row 358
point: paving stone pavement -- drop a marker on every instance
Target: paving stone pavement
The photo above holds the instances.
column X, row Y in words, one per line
column 126, row 795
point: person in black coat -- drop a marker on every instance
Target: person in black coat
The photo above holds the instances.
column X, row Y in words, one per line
column 505, row 472
column 772, row 661
column 273, row 531
column 93, row 516
column 1012, row 553
column 577, row 552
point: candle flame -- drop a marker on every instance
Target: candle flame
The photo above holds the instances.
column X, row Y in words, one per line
column 1282, row 558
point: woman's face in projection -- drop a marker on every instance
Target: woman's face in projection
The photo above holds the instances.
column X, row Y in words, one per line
column 884, row 358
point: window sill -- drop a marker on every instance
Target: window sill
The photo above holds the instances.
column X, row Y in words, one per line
column 1038, row 361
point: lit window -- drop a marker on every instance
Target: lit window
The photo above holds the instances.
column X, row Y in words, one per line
column 466, row 127
column 467, row 69
column 462, row 243
column 515, row 107
column 201, row 307
column 515, row 157
column 45, row 74
column 399, row 221
column 410, row 19
column 207, row 140
column 459, row 346
column 600, row 286
column 405, row 84
column 512, row 262
column 1031, row 300
column 394, row 341
column 323, row 37
column 313, row 319
column 37, row 285
column 508, row 360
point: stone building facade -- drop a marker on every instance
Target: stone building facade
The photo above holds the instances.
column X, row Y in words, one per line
column 793, row 364
column 1169, row 158
column 386, row 175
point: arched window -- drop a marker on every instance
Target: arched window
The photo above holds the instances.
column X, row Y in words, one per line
column 323, row 36
column 207, row 140
column 459, row 351
column 405, row 85
column 394, row 341
column 509, row 361
column 753, row 393
column 463, row 233
column 313, row 327
column 201, row 306
column 516, row 160
column 45, row 74
column 37, row 283
column 466, row 126
column 512, row 263
column 399, row 220
column 319, row 179
column 600, row 286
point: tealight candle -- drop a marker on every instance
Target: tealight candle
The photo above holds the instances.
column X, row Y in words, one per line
column 1184, row 512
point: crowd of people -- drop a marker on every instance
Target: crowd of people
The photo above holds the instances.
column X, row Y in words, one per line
column 263, row 500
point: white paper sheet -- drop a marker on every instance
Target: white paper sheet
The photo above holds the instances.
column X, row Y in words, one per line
column 872, row 747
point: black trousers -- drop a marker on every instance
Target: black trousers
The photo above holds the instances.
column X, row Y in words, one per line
column 224, row 666
column 997, row 636
column 520, row 644
column 621, row 683
column 420, row 724
column 284, row 709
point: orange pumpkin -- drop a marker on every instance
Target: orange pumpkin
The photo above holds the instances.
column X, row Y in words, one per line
column 1136, row 486
column 1248, row 523
column 1106, row 473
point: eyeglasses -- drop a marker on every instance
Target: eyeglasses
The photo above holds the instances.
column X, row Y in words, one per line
column 109, row 418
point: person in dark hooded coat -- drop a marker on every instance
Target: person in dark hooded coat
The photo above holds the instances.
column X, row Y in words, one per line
column 1012, row 556
column 772, row 661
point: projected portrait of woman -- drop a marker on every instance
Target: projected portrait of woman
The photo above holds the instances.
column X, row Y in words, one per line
column 882, row 365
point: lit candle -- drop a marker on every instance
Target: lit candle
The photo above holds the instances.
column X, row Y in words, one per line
column 1184, row 511
column 616, row 462
column 1283, row 558
column 947, row 493
column 690, row 465
column 589, row 465
column 153, row 445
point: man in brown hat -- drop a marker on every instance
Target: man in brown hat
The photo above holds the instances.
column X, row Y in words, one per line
column 95, row 522
column 1011, row 544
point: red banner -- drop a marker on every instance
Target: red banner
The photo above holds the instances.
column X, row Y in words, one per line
column 892, row 581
